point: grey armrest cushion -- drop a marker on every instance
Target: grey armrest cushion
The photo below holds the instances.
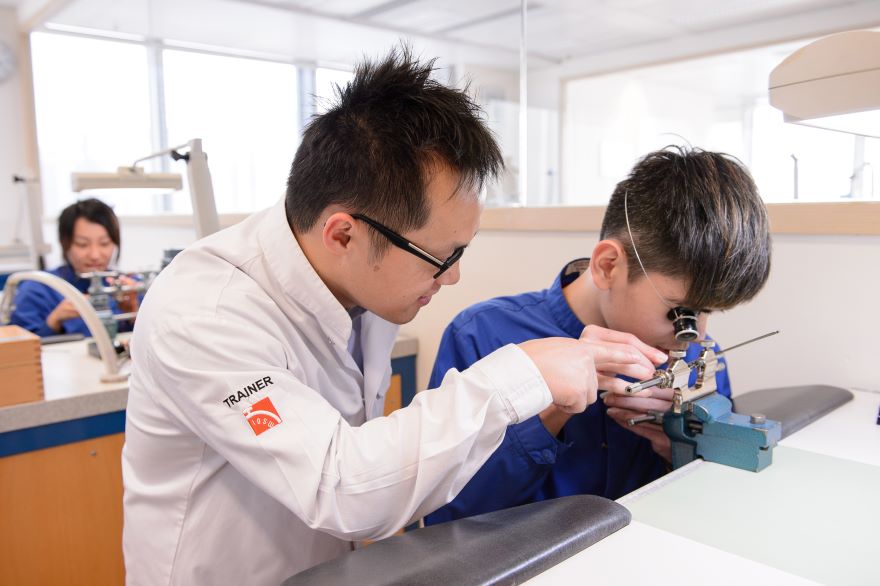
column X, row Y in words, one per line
column 794, row 407
column 503, row 547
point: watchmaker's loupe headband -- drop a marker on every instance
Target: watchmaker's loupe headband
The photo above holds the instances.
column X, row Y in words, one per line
column 683, row 319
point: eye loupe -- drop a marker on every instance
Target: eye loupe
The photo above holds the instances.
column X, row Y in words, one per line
column 685, row 322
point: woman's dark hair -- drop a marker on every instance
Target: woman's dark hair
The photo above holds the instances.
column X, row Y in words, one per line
column 694, row 214
column 374, row 150
column 93, row 210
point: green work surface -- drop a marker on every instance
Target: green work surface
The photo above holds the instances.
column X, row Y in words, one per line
column 808, row 514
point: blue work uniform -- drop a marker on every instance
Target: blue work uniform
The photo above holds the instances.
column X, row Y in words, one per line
column 592, row 454
column 35, row 301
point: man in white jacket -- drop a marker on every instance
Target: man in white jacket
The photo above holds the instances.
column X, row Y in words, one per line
column 255, row 446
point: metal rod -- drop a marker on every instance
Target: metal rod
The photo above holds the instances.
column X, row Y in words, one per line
column 640, row 386
column 767, row 335
column 639, row 419
column 651, row 416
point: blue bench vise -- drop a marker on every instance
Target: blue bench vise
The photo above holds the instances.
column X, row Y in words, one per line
column 701, row 423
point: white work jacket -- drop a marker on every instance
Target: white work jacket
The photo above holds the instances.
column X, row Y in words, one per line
column 255, row 447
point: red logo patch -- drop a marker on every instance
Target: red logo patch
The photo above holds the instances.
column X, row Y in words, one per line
column 262, row 416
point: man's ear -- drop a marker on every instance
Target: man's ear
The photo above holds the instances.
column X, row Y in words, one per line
column 607, row 263
column 337, row 232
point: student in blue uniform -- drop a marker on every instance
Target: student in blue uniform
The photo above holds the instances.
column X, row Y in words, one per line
column 700, row 229
column 88, row 232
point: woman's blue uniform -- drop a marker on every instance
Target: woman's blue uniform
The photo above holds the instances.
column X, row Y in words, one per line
column 35, row 301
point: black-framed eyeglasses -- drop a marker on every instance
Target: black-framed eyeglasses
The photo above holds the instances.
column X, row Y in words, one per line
column 401, row 242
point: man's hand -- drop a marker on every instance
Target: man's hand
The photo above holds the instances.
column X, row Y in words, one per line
column 608, row 371
column 624, row 407
column 575, row 370
column 62, row 312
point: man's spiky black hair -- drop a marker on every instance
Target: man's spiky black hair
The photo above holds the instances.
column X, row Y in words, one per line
column 374, row 150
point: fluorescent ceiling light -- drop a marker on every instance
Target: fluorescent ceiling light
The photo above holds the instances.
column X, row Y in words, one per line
column 126, row 177
column 832, row 83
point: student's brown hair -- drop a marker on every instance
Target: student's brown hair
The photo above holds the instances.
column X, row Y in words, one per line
column 694, row 214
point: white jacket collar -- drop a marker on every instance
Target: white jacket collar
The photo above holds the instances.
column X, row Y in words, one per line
column 298, row 280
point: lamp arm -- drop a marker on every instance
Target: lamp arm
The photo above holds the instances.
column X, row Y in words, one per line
column 86, row 312
column 159, row 154
column 201, row 189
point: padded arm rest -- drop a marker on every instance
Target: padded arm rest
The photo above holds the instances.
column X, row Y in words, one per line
column 507, row 546
column 794, row 407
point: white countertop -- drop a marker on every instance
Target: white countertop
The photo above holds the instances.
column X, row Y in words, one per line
column 849, row 432
column 811, row 517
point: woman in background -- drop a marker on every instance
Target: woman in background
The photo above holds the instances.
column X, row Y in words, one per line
column 88, row 232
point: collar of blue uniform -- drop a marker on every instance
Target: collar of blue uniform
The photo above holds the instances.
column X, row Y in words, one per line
column 65, row 271
column 558, row 306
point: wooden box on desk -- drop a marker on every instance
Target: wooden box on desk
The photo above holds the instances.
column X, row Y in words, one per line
column 21, row 371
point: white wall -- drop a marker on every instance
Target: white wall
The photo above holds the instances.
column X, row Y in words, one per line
column 143, row 241
column 822, row 294
column 12, row 156
column 496, row 263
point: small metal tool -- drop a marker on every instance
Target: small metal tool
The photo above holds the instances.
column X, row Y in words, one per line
column 649, row 417
column 734, row 347
column 701, row 423
column 663, row 378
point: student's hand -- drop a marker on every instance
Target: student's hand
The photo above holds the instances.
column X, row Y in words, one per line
column 575, row 370
column 62, row 312
column 129, row 301
column 555, row 418
column 624, row 407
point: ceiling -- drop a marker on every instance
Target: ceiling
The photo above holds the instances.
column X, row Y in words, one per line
column 560, row 30
column 565, row 38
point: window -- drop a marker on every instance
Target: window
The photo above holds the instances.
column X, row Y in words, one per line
column 246, row 112
column 717, row 103
column 326, row 81
column 92, row 104
column 793, row 162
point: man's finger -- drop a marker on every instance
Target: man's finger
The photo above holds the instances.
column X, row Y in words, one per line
column 636, row 371
column 611, row 384
column 606, row 353
column 597, row 333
